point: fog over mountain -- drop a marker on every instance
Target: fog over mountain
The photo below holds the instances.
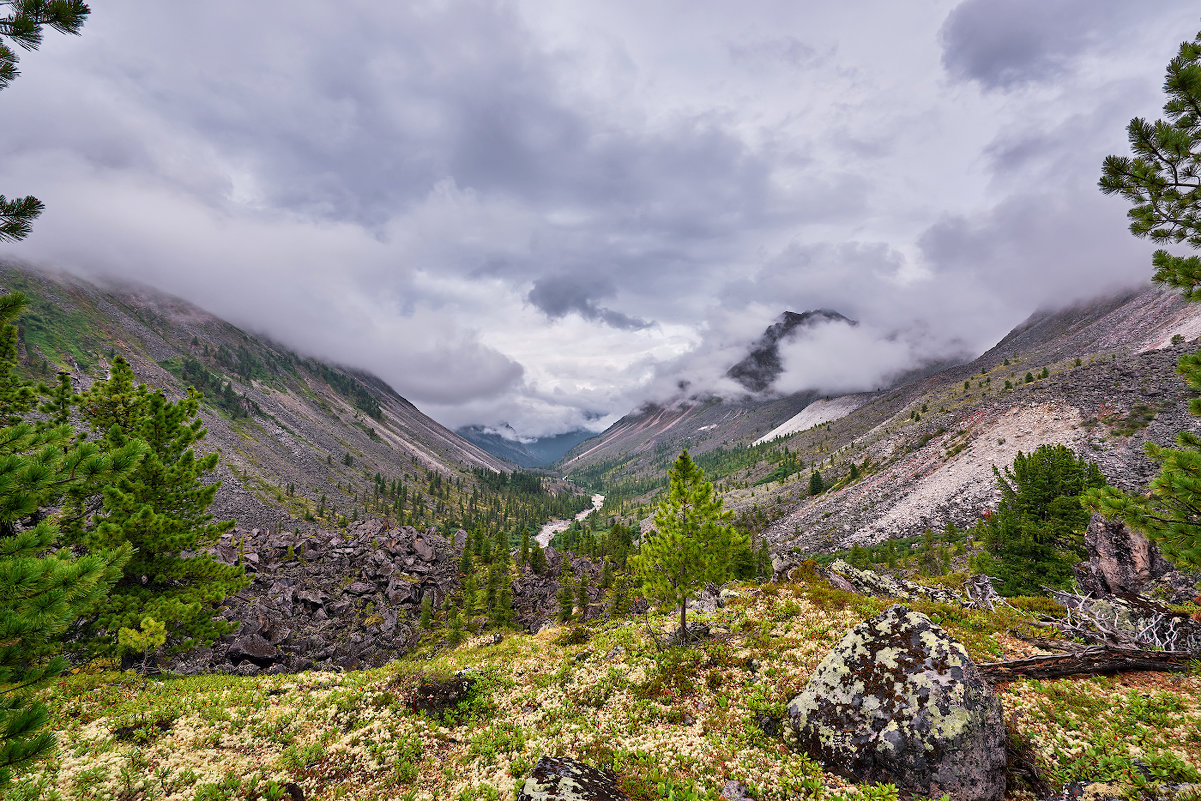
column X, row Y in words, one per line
column 545, row 214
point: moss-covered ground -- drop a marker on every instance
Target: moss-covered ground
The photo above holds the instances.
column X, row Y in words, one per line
column 672, row 724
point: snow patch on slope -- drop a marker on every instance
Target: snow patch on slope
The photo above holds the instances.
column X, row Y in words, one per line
column 816, row 413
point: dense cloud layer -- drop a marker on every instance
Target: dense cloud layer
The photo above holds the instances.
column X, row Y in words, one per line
column 544, row 214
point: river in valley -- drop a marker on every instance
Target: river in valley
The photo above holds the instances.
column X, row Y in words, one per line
column 555, row 526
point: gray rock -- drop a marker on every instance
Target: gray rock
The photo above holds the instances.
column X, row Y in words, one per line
column 734, row 791
column 1121, row 560
column 567, row 780
column 707, row 600
column 869, row 582
column 898, row 700
column 252, row 648
column 423, row 549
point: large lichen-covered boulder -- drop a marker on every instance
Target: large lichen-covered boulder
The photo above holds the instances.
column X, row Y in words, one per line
column 567, row 780
column 898, row 700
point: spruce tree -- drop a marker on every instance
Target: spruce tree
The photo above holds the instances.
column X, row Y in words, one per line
column 606, row 576
column 44, row 588
column 816, row 487
column 426, row 618
column 500, row 611
column 621, row 595
column 454, row 624
column 161, row 510
column 566, row 595
column 691, row 544
column 538, row 559
column 471, row 594
column 765, row 565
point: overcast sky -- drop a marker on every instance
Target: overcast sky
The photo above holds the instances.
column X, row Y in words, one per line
column 545, row 213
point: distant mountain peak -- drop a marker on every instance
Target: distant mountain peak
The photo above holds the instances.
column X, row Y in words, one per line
column 761, row 366
column 504, row 442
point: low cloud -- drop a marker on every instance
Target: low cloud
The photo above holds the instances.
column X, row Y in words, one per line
column 545, row 215
column 839, row 358
column 560, row 295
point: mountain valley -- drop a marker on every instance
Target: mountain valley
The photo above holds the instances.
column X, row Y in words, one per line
column 356, row 515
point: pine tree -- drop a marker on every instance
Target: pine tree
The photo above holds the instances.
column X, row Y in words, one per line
column 161, row 510
column 816, row 487
column 465, row 564
column 43, row 589
column 566, row 595
column 691, row 544
column 22, row 26
column 1161, row 181
column 1036, row 533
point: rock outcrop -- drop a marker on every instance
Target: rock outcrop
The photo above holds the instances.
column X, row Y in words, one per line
column 331, row 599
column 1122, row 561
column 535, row 598
column 351, row 598
column 567, row 780
column 876, row 585
column 898, row 700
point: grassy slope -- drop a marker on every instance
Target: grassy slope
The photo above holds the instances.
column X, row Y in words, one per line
column 678, row 723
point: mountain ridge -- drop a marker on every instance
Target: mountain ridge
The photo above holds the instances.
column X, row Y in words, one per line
column 302, row 441
column 1098, row 376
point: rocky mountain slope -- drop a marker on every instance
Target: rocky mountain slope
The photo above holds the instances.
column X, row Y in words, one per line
column 302, row 443
column 1099, row 377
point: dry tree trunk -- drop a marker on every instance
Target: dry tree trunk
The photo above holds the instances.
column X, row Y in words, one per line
column 1097, row 661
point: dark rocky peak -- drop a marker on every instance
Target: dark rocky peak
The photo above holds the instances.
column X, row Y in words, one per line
column 761, row 366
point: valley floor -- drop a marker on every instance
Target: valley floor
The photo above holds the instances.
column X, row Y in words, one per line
column 676, row 723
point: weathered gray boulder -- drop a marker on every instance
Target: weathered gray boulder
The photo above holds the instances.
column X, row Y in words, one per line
column 869, row 582
column 567, row 780
column 1121, row 561
column 898, row 700
column 253, row 648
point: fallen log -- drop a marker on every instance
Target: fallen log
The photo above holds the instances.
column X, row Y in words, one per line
column 1096, row 661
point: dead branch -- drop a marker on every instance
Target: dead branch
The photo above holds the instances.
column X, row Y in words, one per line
column 1127, row 621
column 1096, row 661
